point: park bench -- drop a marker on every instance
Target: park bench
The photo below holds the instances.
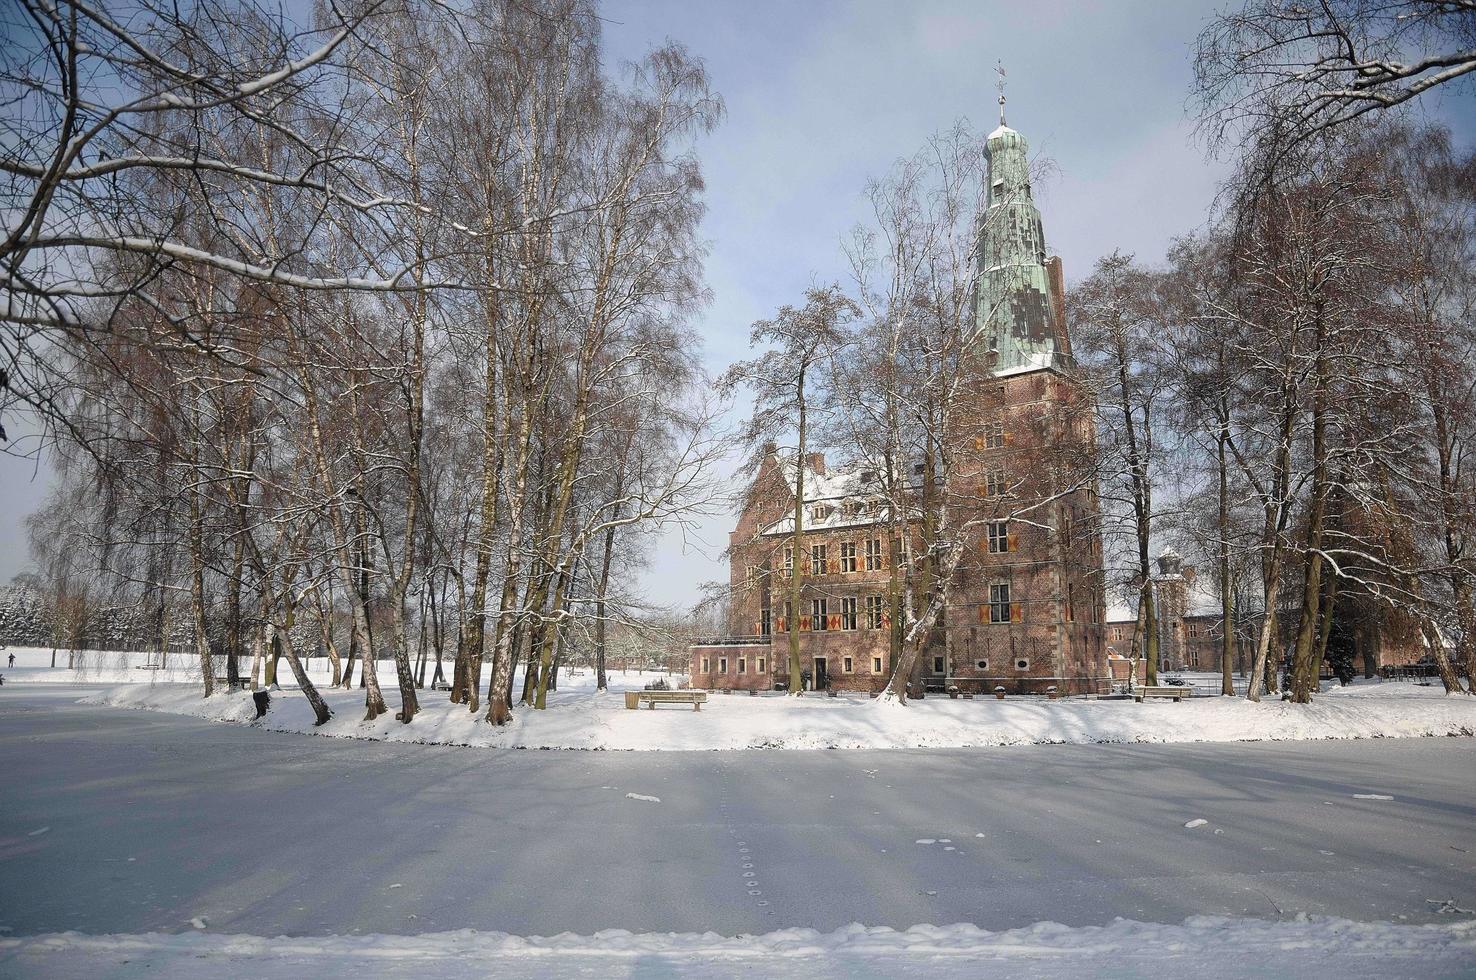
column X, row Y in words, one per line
column 1172, row 693
column 653, row 698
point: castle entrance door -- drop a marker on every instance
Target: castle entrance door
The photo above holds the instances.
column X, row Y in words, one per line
column 822, row 677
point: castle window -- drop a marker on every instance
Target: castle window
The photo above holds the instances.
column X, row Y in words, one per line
column 937, row 665
column 994, row 483
column 873, row 555
column 765, row 626
column 1193, row 628
column 981, row 664
column 817, row 614
column 994, row 435
column 788, row 562
column 848, row 556
column 875, row 612
column 817, row 559
column 1070, row 602
column 876, row 665
column 820, row 511
column 741, row 665
column 999, row 602
column 848, row 613
column 1022, row 664
column 706, row 665
column 760, row 665
column 722, row 665
column 999, row 537
column 848, row 665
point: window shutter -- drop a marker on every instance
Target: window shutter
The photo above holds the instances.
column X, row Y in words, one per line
column 804, row 622
column 1012, row 541
column 758, row 628
column 984, row 613
column 1009, row 438
column 1017, row 612
column 782, row 627
column 978, row 442
column 835, row 622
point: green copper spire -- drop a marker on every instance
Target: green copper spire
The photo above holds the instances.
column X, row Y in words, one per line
column 1015, row 314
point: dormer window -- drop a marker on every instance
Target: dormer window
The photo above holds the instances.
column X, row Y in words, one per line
column 819, row 512
column 868, row 476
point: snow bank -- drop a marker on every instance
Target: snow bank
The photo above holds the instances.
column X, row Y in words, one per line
column 1205, row 947
column 33, row 666
column 579, row 717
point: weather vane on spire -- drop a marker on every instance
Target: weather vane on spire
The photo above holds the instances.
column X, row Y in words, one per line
column 999, row 69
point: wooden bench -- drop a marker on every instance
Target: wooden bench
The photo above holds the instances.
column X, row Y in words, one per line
column 1170, row 692
column 653, row 698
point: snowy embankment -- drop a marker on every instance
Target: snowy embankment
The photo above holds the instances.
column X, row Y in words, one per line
column 579, row 717
column 1204, row 947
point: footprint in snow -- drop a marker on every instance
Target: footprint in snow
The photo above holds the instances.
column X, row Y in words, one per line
column 39, row 832
column 1371, row 796
column 199, row 922
column 639, row 796
column 925, row 840
column 1197, row 822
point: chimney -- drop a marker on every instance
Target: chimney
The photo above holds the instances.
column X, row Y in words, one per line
column 816, row 462
column 1057, row 278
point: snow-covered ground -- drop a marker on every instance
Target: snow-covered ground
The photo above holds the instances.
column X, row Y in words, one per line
column 579, row 717
column 1204, row 947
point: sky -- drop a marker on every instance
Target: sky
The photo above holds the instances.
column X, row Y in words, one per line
column 822, row 95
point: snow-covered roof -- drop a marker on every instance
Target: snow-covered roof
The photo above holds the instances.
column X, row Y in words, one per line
column 857, row 488
column 1001, row 130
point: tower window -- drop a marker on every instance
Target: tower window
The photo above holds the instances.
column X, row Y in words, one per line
column 999, row 602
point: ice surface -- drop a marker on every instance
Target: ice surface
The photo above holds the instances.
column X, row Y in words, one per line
column 525, row 843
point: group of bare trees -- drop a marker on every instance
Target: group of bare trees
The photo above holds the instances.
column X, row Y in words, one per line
column 377, row 323
column 1291, row 394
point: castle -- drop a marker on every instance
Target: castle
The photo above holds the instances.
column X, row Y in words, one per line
column 1026, row 607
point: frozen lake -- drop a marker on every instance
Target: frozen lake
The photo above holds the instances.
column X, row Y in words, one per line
column 128, row 821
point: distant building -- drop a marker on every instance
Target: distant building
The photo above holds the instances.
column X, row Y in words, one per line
column 1190, row 622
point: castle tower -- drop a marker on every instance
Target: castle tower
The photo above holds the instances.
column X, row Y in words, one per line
column 1030, row 598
